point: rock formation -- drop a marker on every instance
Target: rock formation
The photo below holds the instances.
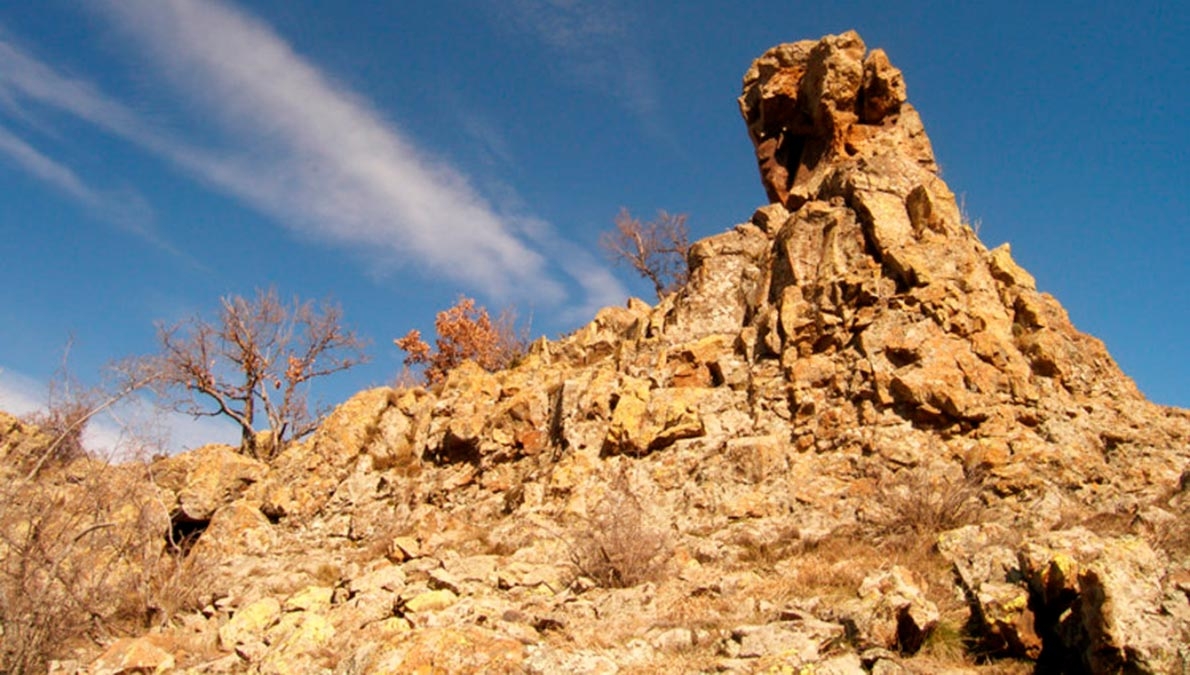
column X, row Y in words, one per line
column 856, row 441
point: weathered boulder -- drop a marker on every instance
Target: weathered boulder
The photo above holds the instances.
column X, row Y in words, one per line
column 1103, row 602
column 145, row 654
column 306, row 473
column 647, row 419
column 800, row 641
column 1072, row 599
column 249, row 623
column 205, row 479
column 235, row 528
column 21, row 444
column 809, row 103
column 989, row 576
column 893, row 612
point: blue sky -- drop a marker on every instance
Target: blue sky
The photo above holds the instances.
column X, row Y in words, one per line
column 158, row 154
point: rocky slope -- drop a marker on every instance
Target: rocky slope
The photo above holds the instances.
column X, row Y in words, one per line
column 855, row 441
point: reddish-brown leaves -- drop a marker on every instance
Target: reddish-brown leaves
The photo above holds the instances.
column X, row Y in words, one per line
column 465, row 332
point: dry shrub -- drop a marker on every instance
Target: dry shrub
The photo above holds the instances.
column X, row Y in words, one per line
column 54, row 435
column 84, row 555
column 618, row 548
column 920, row 504
column 948, row 641
column 63, row 423
column 82, row 559
column 465, row 333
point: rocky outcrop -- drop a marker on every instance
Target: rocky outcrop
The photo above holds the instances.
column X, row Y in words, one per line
column 812, row 103
column 852, row 414
column 1072, row 600
column 205, row 479
column 21, row 445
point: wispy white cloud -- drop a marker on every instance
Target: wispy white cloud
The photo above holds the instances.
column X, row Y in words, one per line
column 24, row 76
column 309, row 153
column 320, row 158
column 487, row 135
column 46, row 169
column 126, row 209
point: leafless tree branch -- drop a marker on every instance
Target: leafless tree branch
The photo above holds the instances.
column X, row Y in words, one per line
column 656, row 250
column 253, row 364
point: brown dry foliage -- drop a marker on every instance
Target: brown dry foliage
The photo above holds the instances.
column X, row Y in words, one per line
column 63, row 422
column 618, row 548
column 254, row 363
column 465, row 333
column 84, row 559
column 832, row 566
column 656, row 250
column 85, row 555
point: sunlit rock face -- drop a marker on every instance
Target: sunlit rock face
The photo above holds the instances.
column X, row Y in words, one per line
column 849, row 365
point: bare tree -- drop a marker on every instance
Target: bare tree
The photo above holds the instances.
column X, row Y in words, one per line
column 656, row 250
column 254, row 364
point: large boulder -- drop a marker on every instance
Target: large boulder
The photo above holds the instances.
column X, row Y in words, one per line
column 205, row 479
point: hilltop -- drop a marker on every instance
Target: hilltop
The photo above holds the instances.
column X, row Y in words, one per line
column 856, row 440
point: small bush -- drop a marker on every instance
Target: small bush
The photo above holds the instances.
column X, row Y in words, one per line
column 656, row 250
column 82, row 560
column 63, row 423
column 465, row 333
column 920, row 503
column 54, row 435
column 617, row 548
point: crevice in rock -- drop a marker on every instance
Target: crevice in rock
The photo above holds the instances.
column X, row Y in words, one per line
column 183, row 532
column 716, row 372
column 557, row 438
column 1061, row 631
column 456, row 450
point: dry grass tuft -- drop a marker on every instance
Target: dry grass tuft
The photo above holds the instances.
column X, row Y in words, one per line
column 833, row 566
column 617, row 548
column 768, row 548
column 917, row 505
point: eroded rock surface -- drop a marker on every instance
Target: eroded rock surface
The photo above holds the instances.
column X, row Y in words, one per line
column 846, row 375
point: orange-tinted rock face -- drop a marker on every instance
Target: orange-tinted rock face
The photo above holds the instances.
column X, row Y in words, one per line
column 809, row 103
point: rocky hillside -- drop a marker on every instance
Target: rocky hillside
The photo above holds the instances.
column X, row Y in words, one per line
column 855, row 441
